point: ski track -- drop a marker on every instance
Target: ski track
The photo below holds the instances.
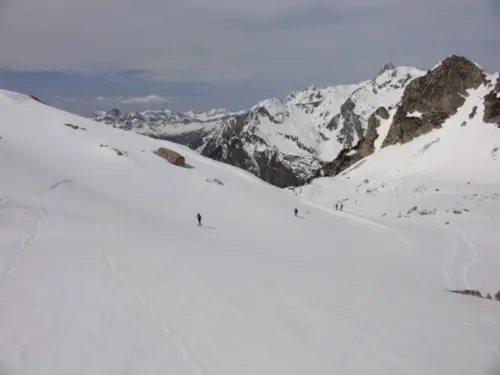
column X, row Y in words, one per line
column 184, row 349
column 451, row 253
column 402, row 239
column 59, row 183
column 27, row 240
column 361, row 219
column 23, row 247
column 472, row 261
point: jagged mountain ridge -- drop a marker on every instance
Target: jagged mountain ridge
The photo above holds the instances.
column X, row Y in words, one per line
column 159, row 120
column 186, row 128
column 286, row 141
column 283, row 141
column 442, row 96
column 322, row 131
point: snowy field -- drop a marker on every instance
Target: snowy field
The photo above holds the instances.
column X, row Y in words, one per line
column 103, row 269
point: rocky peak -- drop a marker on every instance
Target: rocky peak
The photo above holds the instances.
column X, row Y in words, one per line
column 429, row 100
column 365, row 146
column 115, row 112
column 492, row 105
column 386, row 67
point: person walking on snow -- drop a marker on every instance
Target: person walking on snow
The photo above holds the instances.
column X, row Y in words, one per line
column 296, row 212
column 198, row 216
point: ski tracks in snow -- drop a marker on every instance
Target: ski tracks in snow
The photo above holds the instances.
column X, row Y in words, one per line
column 27, row 240
column 181, row 345
column 24, row 244
column 451, row 254
column 472, row 261
column 59, row 183
column 361, row 219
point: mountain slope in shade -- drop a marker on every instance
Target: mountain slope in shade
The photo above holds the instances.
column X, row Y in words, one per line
column 104, row 271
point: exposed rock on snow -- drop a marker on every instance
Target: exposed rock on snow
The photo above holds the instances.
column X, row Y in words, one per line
column 215, row 181
column 117, row 151
column 171, row 156
column 492, row 105
column 468, row 292
column 75, row 127
column 437, row 96
column 365, row 146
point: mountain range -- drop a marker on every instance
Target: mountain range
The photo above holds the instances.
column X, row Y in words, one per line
column 319, row 131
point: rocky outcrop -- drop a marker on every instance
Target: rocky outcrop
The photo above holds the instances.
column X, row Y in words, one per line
column 353, row 124
column 233, row 145
column 492, row 105
column 171, row 156
column 468, row 292
column 429, row 100
column 365, row 147
column 36, row 99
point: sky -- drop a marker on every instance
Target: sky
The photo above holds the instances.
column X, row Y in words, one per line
column 91, row 55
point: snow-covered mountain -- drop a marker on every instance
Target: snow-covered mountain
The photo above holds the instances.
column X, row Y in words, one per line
column 442, row 142
column 103, row 270
column 187, row 128
column 430, row 102
column 283, row 141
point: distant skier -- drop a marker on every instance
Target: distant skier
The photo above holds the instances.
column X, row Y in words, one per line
column 198, row 216
column 296, row 212
column 341, row 206
column 337, row 206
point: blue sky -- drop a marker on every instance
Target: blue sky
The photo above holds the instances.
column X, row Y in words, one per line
column 199, row 54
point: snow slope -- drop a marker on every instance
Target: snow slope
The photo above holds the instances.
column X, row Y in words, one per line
column 103, row 270
column 446, row 181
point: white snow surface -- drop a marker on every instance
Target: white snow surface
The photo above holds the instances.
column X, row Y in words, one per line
column 104, row 271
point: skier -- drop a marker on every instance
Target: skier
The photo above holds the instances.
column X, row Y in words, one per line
column 198, row 216
column 296, row 212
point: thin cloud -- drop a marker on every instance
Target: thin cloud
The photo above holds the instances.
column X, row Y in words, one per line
column 150, row 99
